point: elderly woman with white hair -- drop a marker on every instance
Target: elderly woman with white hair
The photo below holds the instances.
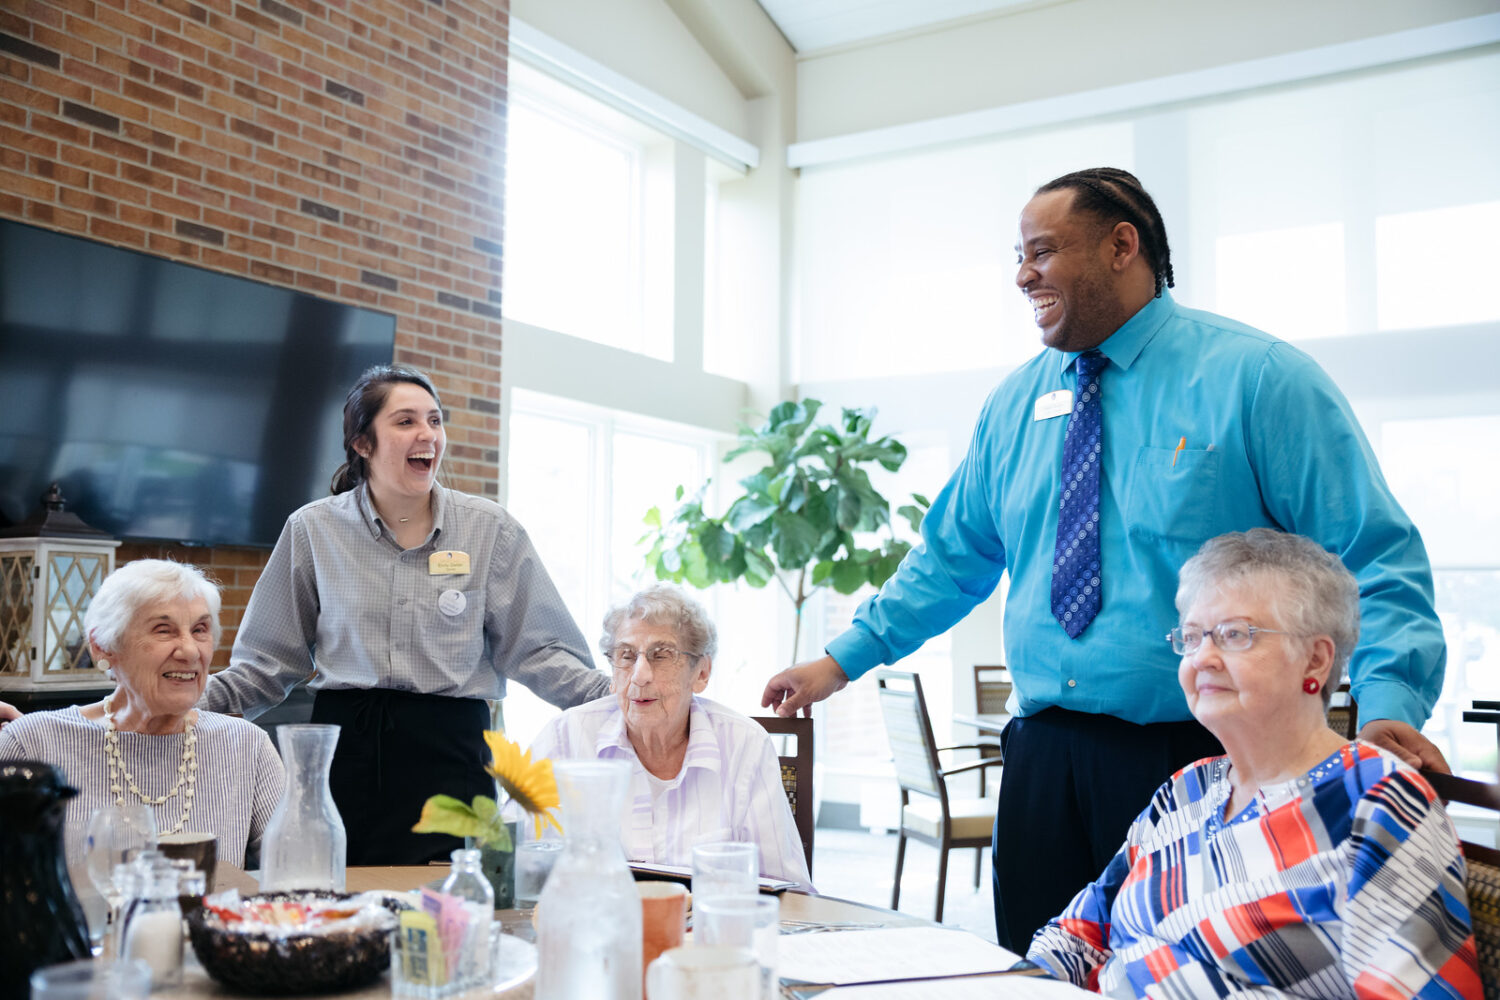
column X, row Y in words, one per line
column 152, row 627
column 1299, row 864
column 701, row 772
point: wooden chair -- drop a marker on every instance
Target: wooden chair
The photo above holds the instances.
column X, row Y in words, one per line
column 992, row 687
column 933, row 817
column 1486, row 711
column 796, row 773
column 1483, row 879
column 1343, row 712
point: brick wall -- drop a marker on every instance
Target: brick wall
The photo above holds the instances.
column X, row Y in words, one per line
column 353, row 149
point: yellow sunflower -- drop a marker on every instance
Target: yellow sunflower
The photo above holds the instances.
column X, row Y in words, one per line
column 529, row 783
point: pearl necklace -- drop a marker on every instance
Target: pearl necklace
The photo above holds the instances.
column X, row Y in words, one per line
column 187, row 769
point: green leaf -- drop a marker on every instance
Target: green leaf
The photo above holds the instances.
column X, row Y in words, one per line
column 922, row 501
column 851, row 510
column 913, row 515
column 445, row 814
column 759, row 570
column 695, row 566
column 821, row 572
column 653, row 516
column 748, row 511
column 792, row 540
column 718, row 544
column 848, row 576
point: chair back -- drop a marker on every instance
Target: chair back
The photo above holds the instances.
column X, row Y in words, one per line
column 1343, row 712
column 909, row 731
column 796, row 772
column 1483, row 878
column 992, row 687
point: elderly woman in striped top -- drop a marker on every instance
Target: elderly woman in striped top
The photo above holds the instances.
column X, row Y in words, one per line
column 153, row 626
column 702, row 772
column 1300, row 863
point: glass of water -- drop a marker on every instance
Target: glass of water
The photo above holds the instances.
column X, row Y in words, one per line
column 534, row 861
column 751, row 922
column 726, row 869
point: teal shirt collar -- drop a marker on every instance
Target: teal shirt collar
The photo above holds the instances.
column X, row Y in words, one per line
column 1126, row 344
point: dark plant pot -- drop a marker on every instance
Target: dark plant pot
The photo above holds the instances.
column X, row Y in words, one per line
column 500, row 868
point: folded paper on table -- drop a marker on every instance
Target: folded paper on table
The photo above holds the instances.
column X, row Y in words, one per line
column 973, row 988
column 684, row 874
column 888, row 955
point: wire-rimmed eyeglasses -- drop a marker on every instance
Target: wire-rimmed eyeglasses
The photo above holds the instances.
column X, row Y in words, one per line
column 660, row 655
column 1230, row 637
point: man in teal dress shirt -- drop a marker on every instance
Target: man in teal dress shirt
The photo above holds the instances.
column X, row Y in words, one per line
column 1208, row 426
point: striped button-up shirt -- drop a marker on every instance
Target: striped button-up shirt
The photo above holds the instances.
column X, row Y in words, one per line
column 729, row 787
column 339, row 595
column 1345, row 882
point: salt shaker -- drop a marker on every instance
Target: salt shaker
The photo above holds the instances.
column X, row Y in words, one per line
column 153, row 930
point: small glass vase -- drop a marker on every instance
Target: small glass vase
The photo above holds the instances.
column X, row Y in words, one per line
column 305, row 845
column 499, row 866
column 589, row 915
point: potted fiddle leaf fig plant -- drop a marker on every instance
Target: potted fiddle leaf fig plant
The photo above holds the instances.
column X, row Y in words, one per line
column 809, row 517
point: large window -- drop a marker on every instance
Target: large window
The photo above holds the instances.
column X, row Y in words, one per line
column 1431, row 465
column 588, row 218
column 581, row 480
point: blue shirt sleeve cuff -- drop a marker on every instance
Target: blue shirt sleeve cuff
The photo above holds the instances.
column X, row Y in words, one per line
column 856, row 652
column 1383, row 700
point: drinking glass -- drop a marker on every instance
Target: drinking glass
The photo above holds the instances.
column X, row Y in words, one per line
column 92, row 980
column 725, row 869
column 534, row 861
column 114, row 835
column 743, row 922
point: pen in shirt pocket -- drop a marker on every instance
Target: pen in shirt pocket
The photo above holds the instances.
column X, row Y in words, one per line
column 1181, row 444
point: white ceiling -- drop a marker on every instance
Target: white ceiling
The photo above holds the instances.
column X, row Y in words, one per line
column 819, row 24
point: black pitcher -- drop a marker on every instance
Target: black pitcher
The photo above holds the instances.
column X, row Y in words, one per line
column 41, row 922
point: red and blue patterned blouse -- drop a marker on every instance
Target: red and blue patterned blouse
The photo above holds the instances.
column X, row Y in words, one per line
column 1345, row 882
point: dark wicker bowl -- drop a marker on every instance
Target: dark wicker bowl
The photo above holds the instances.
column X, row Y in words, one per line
column 276, row 965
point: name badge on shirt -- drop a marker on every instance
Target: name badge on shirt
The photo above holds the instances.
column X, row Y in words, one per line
column 448, row 564
column 452, row 602
column 1053, row 404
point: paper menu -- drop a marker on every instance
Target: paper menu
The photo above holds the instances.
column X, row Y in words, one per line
column 892, row 953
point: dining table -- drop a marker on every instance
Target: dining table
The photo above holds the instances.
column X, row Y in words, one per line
column 799, row 912
column 991, row 725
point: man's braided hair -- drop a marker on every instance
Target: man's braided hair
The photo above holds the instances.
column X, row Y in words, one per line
column 1112, row 195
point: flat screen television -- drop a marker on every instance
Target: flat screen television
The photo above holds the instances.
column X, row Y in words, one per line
column 170, row 402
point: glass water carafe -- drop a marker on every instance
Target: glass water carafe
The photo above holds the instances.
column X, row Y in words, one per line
column 589, row 914
column 304, row 845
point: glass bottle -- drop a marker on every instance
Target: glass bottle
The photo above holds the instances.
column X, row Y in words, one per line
column 305, row 845
column 153, row 930
column 41, row 922
column 589, row 915
column 469, row 958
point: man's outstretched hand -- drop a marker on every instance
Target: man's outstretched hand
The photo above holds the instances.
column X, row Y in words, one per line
column 1405, row 742
column 800, row 686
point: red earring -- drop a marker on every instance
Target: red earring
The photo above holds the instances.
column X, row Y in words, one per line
column 1311, row 685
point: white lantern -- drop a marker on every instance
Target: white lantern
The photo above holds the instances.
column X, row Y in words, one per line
column 51, row 565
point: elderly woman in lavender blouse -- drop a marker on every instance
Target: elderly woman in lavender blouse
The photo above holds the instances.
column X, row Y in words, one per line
column 701, row 772
column 153, row 627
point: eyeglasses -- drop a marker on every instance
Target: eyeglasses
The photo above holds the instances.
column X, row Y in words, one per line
column 663, row 655
column 1230, row 637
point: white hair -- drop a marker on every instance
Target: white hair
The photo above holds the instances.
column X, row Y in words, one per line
column 664, row 604
column 138, row 584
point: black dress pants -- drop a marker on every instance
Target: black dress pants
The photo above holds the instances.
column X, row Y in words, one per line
column 396, row 749
column 1073, row 783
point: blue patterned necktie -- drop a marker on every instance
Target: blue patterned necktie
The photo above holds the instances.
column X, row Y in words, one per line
column 1075, row 560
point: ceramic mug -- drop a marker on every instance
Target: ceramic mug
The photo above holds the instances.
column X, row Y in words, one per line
column 663, row 918
column 202, row 849
column 704, row 972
